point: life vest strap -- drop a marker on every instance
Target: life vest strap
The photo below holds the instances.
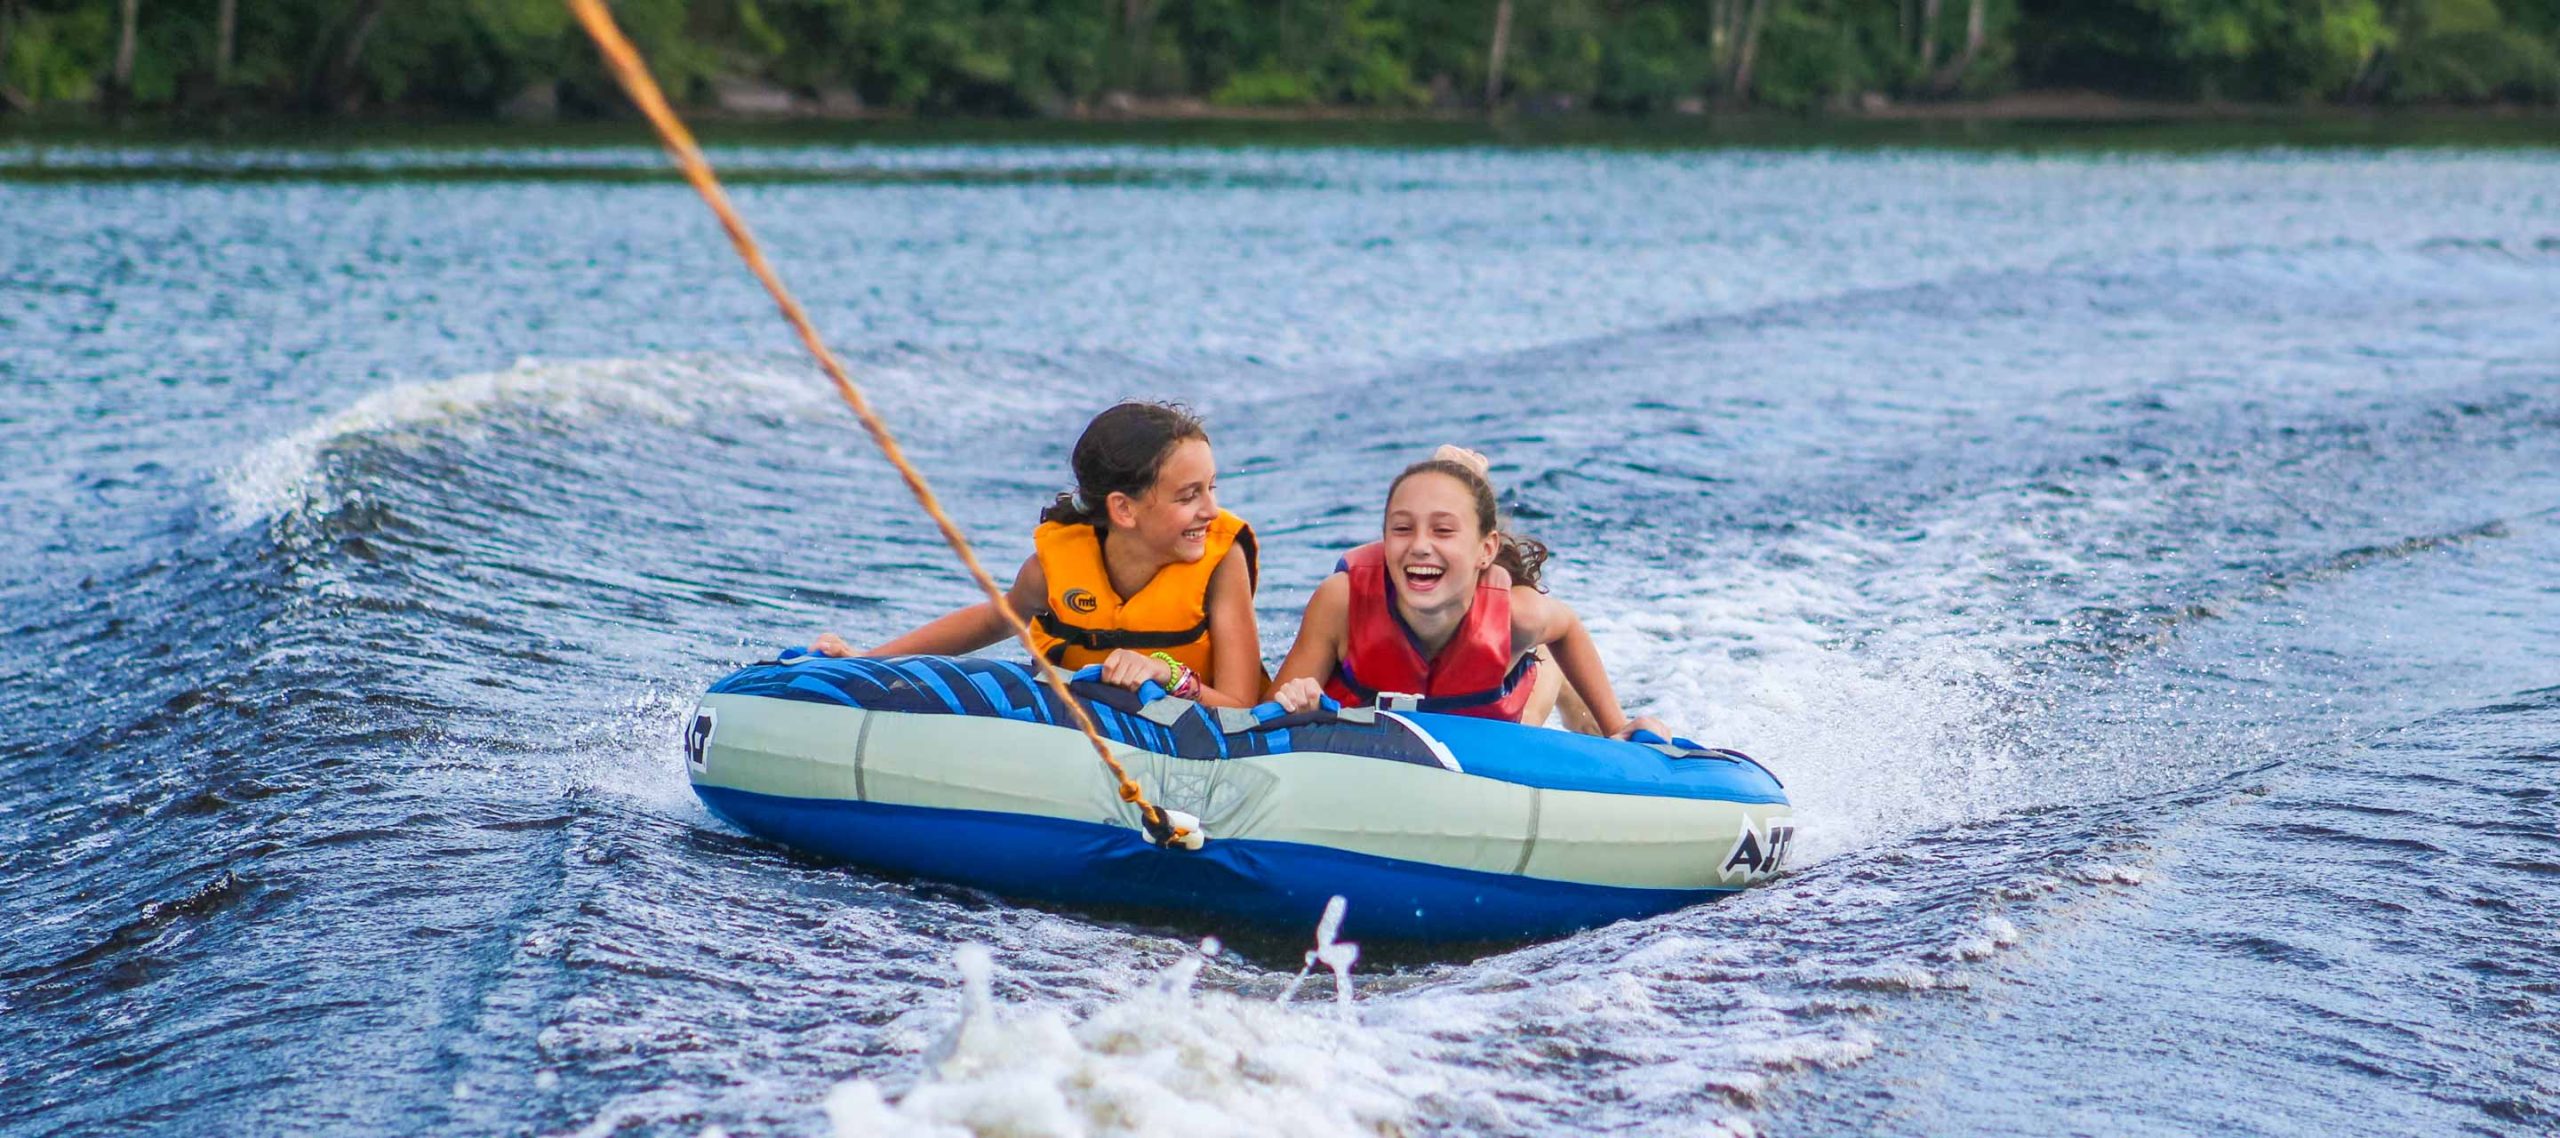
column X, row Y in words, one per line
column 1461, row 702
column 1106, row 639
column 1352, row 684
column 1456, row 703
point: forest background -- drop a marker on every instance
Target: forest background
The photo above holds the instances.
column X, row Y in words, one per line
column 523, row 58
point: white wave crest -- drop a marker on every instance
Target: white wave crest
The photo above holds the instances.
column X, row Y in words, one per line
column 913, row 388
column 287, row 473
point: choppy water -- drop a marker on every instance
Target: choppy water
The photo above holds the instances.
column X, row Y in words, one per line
column 2141, row 569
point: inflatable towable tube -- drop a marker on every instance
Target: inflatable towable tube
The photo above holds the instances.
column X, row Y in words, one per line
column 1435, row 827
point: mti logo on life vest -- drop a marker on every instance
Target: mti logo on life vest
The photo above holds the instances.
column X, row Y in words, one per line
column 697, row 738
column 1080, row 600
column 1757, row 853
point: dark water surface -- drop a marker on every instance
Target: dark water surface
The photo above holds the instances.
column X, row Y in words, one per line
column 2144, row 570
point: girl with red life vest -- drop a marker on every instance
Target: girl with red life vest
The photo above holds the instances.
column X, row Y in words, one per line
column 1447, row 607
column 1138, row 570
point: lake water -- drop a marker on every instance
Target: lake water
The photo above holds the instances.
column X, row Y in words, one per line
column 2144, row 569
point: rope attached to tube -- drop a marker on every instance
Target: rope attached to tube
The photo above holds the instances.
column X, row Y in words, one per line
column 624, row 61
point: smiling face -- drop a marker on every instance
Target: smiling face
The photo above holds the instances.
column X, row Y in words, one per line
column 1171, row 518
column 1435, row 548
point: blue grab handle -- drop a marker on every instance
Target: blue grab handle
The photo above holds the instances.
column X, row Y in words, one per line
column 1270, row 709
column 1649, row 738
column 1149, row 691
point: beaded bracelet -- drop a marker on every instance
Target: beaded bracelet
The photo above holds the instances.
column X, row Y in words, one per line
column 1175, row 685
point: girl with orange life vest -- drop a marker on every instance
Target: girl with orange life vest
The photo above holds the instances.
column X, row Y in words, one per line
column 1447, row 607
column 1138, row 570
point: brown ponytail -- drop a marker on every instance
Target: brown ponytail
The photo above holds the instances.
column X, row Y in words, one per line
column 1525, row 558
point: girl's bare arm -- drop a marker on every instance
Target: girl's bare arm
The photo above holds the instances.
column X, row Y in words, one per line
column 1541, row 619
column 961, row 630
column 1318, row 649
column 1235, row 642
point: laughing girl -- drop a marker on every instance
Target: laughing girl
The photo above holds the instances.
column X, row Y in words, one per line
column 1448, row 607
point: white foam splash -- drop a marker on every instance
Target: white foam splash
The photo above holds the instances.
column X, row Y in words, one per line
column 633, row 748
column 1337, row 955
column 1177, row 980
column 1469, row 1056
column 1993, row 933
column 2105, row 873
column 1876, row 730
column 1163, row 1062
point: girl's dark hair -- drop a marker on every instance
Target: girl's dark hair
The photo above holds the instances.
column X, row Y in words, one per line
column 1522, row 557
column 1119, row 453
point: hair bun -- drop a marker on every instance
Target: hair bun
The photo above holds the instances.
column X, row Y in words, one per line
column 1472, row 460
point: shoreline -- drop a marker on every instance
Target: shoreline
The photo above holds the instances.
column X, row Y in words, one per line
column 2066, row 119
column 2060, row 105
column 774, row 105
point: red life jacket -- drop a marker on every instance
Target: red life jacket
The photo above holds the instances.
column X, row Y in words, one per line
column 1474, row 674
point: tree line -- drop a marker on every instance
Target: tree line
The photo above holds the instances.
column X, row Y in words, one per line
column 1035, row 57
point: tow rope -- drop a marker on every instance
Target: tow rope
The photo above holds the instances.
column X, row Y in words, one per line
column 1171, row 829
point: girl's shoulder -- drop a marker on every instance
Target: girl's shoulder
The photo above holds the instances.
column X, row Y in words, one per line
column 1534, row 614
column 1241, row 545
column 1332, row 595
column 1530, row 597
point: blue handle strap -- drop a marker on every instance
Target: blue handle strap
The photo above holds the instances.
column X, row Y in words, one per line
column 1650, row 739
column 1268, row 710
column 1149, row 691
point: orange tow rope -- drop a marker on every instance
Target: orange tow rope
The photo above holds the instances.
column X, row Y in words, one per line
column 628, row 69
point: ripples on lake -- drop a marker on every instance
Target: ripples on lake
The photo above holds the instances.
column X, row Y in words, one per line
column 2140, row 569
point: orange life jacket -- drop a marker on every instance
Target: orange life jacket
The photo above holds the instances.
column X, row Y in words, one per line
column 1473, row 674
column 1087, row 618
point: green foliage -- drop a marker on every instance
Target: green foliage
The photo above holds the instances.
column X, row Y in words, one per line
column 2462, row 51
column 1648, row 60
column 1556, row 48
column 2272, row 49
column 1046, row 56
column 1265, row 87
column 54, row 56
column 1811, row 54
column 2539, row 19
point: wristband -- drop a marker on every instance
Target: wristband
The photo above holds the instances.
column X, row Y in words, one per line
column 1177, row 673
column 1188, row 687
